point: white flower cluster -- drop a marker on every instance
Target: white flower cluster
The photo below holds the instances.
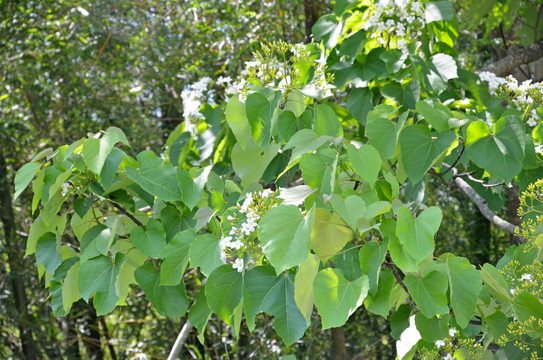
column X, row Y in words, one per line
column 443, row 343
column 234, row 87
column 526, row 277
column 394, row 20
column 522, row 96
column 494, row 82
column 298, row 50
column 320, row 82
column 194, row 96
column 275, row 73
column 200, row 93
column 244, row 223
column 275, row 69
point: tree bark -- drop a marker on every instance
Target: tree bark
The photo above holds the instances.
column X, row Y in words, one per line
column 110, row 347
column 338, row 344
column 482, row 238
column 311, row 10
column 515, row 57
column 482, row 204
column 180, row 341
column 512, row 196
column 71, row 345
column 91, row 333
column 15, row 263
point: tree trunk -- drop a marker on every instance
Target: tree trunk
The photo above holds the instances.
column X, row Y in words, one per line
column 71, row 345
column 91, row 333
column 338, row 344
column 112, row 353
column 482, row 237
column 311, row 10
column 512, row 196
column 15, row 263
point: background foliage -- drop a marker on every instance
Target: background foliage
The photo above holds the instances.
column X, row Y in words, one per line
column 72, row 68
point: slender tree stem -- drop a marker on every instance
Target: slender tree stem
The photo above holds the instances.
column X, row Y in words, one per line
column 130, row 216
column 180, row 341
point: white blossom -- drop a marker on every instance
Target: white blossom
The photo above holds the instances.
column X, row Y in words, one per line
column 298, row 50
column 235, row 87
column 252, row 64
column 193, row 97
column 512, row 291
column 238, row 265
column 248, row 202
column 65, row 188
column 526, row 277
column 416, row 6
column 448, row 357
column 265, row 193
column 224, row 80
column 82, row 11
column 238, row 244
column 224, row 242
column 440, row 343
column 248, row 227
column 452, row 332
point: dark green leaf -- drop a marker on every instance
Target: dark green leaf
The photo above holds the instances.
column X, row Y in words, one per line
column 417, row 234
column 176, row 257
column 420, row 151
column 286, row 236
column 205, row 253
column 24, row 176
column 224, row 292
column 359, row 103
column 169, row 301
column 150, row 238
column 48, row 252
column 155, row 177
column 429, row 292
column 501, row 151
column 264, row 291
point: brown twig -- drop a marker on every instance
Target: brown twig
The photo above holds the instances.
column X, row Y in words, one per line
column 389, row 265
column 121, row 209
column 456, row 161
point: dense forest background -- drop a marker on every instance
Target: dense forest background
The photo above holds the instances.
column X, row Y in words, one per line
column 69, row 68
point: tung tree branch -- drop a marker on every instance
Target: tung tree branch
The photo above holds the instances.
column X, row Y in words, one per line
column 482, row 204
column 515, row 57
column 180, row 341
column 121, row 209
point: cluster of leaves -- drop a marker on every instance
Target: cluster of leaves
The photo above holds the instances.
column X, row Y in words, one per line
column 70, row 67
column 353, row 234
